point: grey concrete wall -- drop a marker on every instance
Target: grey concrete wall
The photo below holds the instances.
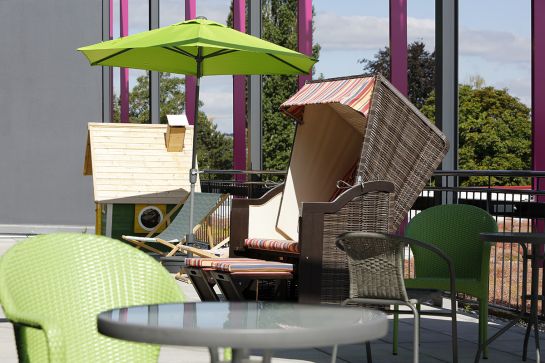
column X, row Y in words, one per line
column 48, row 93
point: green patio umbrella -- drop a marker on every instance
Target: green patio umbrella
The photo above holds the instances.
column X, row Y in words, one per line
column 198, row 47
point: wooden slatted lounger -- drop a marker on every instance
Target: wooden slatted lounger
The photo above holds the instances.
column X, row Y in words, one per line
column 235, row 277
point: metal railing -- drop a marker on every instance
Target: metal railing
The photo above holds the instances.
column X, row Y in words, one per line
column 515, row 206
column 238, row 184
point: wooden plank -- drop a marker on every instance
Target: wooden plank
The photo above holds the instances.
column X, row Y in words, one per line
column 146, row 182
column 88, row 165
column 132, row 176
column 157, row 157
column 135, row 152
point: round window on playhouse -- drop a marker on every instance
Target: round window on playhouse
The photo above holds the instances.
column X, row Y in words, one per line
column 150, row 217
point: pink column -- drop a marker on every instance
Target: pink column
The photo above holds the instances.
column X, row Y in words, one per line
column 398, row 45
column 304, row 41
column 111, row 36
column 538, row 95
column 124, row 72
column 398, row 55
column 239, row 99
column 190, row 81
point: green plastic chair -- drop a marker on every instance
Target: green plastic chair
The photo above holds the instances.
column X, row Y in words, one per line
column 455, row 229
column 52, row 287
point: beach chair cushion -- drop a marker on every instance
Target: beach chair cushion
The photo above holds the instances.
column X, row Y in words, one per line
column 209, row 262
column 253, row 266
column 239, row 264
column 272, row 245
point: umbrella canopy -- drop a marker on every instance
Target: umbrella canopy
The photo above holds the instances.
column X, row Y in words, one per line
column 198, row 47
column 175, row 49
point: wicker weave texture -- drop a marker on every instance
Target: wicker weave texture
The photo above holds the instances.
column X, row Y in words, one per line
column 401, row 146
column 375, row 266
column 370, row 213
column 60, row 282
column 455, row 229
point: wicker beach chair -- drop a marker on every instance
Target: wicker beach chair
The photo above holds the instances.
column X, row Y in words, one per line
column 173, row 236
column 360, row 124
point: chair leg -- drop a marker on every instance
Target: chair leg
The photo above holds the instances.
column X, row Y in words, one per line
column 483, row 325
column 396, row 331
column 368, row 351
column 334, row 353
column 454, row 322
column 416, row 333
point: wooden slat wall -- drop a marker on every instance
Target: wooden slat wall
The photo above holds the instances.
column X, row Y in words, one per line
column 130, row 164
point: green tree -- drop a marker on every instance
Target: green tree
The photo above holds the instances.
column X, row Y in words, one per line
column 279, row 25
column 494, row 131
column 421, row 64
column 171, row 98
column 214, row 149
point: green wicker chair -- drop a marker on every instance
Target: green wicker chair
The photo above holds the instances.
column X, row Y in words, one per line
column 53, row 286
column 455, row 230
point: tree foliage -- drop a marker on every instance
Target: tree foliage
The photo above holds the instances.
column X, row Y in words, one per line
column 494, row 128
column 214, row 149
column 279, row 25
column 494, row 131
column 421, row 64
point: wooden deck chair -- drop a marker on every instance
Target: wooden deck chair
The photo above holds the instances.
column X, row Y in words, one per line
column 173, row 236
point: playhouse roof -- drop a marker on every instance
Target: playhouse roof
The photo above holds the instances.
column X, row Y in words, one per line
column 130, row 164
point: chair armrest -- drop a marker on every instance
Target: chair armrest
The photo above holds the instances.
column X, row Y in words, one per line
column 319, row 225
column 347, row 196
column 412, row 242
column 53, row 334
column 240, row 211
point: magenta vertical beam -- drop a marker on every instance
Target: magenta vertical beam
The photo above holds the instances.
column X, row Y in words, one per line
column 538, row 95
column 398, row 45
column 190, row 81
column 304, row 38
column 124, row 72
column 239, row 99
column 111, row 36
column 398, row 55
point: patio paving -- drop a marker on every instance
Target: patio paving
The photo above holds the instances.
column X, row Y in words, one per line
column 435, row 341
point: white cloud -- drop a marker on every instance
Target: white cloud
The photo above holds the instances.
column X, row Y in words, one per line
column 170, row 12
column 337, row 32
column 496, row 46
column 518, row 87
column 216, row 93
column 359, row 33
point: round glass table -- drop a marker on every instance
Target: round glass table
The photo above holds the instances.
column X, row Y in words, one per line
column 244, row 325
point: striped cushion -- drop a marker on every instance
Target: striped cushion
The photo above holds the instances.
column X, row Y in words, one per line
column 209, row 262
column 253, row 266
column 272, row 245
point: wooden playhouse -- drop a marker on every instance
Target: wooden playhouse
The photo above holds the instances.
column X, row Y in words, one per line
column 140, row 172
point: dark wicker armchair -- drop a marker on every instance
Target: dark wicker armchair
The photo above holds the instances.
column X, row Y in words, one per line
column 322, row 273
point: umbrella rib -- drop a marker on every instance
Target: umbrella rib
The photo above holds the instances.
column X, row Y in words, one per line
column 110, row 56
column 180, row 51
column 220, row 52
column 287, row 63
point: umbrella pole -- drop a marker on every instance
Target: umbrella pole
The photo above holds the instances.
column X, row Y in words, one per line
column 193, row 173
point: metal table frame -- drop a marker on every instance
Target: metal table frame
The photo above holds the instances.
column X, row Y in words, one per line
column 535, row 240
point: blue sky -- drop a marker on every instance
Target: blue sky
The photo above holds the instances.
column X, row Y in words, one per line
column 494, row 40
